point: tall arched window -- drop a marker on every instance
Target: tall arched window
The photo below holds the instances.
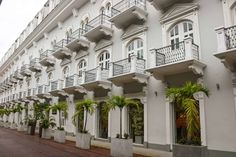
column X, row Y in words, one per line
column 180, row 31
column 82, row 67
column 65, row 72
column 136, row 47
column 104, row 59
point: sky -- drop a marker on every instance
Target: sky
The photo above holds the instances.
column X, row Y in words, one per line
column 14, row 17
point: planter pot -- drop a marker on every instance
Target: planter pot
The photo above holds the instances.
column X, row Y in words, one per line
column 20, row 128
column 7, row 125
column 83, row 141
column 60, row 136
column 13, row 126
column 121, row 147
column 189, row 151
column 46, row 134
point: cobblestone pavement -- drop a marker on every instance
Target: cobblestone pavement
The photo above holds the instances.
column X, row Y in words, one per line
column 16, row 144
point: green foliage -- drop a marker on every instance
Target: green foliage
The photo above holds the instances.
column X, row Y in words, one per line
column 61, row 107
column 184, row 97
column 119, row 102
column 47, row 122
column 87, row 106
column 136, row 115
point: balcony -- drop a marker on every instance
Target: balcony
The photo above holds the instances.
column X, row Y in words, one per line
column 98, row 28
column 163, row 5
column 25, row 71
column 77, row 42
column 226, row 51
column 34, row 65
column 73, row 85
column 17, row 75
column 128, row 70
column 60, row 51
column 12, row 79
column 176, row 59
column 42, row 92
column 96, row 78
column 55, row 88
column 128, row 12
column 46, row 58
column 31, row 94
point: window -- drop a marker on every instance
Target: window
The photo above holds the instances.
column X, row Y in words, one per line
column 104, row 59
column 102, row 121
column 136, row 47
column 65, row 72
column 179, row 32
column 81, row 67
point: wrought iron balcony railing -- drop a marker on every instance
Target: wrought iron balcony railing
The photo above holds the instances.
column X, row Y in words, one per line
column 175, row 53
column 56, row 85
column 76, row 34
column 97, row 21
column 42, row 89
column 74, row 80
column 61, row 44
column 45, row 54
column 126, row 4
column 34, row 61
column 128, row 65
column 24, row 67
column 230, row 35
column 96, row 74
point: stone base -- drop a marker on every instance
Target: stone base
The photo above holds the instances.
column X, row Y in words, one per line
column 60, row 136
column 13, row 126
column 121, row 147
column 189, row 151
column 20, row 128
column 46, row 134
column 83, row 141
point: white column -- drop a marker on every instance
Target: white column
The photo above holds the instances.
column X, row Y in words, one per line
column 221, row 39
column 145, row 120
column 234, row 90
column 99, row 73
column 110, row 70
column 188, row 48
column 83, row 77
column 169, row 126
column 133, row 63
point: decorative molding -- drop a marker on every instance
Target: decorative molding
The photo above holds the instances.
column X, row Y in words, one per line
column 81, row 55
column 104, row 85
column 103, row 44
column 133, row 30
column 179, row 10
column 65, row 61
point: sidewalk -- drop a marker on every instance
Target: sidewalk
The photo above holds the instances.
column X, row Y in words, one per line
column 18, row 144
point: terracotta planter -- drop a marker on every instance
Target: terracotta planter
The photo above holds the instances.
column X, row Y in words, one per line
column 60, row 136
column 46, row 133
column 121, row 147
column 83, row 141
column 189, row 151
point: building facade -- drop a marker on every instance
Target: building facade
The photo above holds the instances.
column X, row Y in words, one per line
column 94, row 49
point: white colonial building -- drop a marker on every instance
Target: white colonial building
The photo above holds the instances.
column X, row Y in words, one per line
column 77, row 49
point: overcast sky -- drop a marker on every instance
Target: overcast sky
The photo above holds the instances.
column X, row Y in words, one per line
column 14, row 17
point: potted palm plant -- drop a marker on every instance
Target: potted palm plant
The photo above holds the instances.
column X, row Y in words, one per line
column 120, row 146
column 60, row 134
column 19, row 109
column 83, row 138
column 46, row 123
column 183, row 98
column 13, row 111
column 7, row 112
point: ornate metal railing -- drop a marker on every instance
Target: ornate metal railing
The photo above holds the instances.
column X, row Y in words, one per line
column 56, row 85
column 40, row 89
column 90, row 75
column 70, row 81
column 76, row 34
column 45, row 54
column 121, row 67
column 29, row 92
column 24, row 67
column 175, row 53
column 230, row 34
column 34, row 61
column 126, row 4
column 61, row 44
column 97, row 21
